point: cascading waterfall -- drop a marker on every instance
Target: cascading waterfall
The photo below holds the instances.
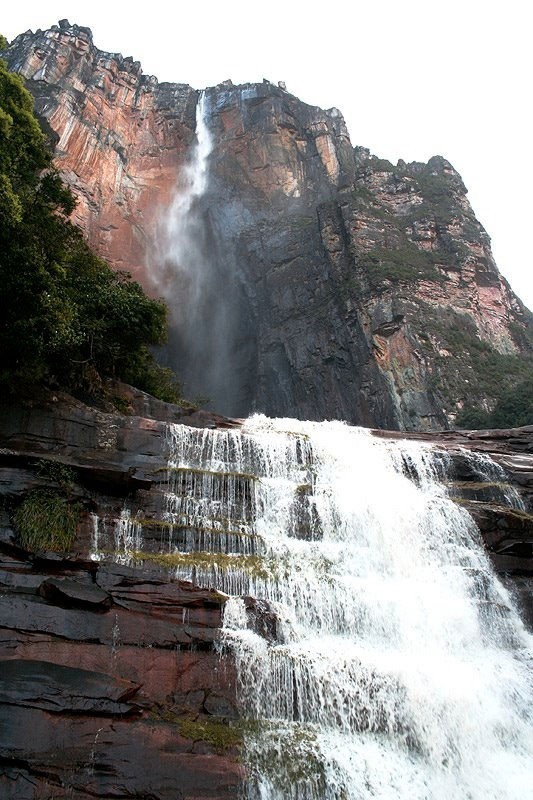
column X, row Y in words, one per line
column 397, row 670
column 181, row 237
column 396, row 667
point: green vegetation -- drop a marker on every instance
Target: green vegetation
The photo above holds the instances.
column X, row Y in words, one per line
column 237, row 476
column 253, row 565
column 57, row 472
column 438, row 198
column 216, row 732
column 145, row 373
column 475, row 371
column 404, row 263
column 382, row 165
column 289, row 754
column 514, row 408
column 46, row 520
column 68, row 320
column 219, row 734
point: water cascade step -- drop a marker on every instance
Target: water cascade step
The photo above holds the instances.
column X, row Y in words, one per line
column 378, row 656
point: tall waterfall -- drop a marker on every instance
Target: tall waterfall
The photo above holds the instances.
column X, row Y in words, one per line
column 199, row 285
column 380, row 656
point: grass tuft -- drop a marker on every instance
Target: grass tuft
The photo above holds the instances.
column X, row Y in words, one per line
column 46, row 520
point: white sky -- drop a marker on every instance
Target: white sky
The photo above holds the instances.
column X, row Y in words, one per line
column 413, row 78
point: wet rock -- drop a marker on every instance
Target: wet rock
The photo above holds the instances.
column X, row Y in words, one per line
column 74, row 594
column 92, row 756
column 75, row 655
column 60, row 689
column 261, row 618
column 220, row 706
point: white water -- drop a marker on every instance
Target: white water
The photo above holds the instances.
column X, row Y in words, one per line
column 211, row 341
column 182, row 271
column 178, row 221
column 399, row 669
column 179, row 258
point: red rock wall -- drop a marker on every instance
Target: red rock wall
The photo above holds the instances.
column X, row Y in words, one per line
column 121, row 138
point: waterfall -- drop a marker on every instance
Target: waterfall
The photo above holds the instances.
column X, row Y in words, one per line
column 180, row 268
column 206, row 330
column 377, row 654
column 179, row 227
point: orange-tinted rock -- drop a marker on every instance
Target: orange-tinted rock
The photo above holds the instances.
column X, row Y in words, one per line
column 121, row 137
column 100, row 663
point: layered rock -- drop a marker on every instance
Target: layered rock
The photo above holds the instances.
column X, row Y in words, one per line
column 110, row 684
column 349, row 288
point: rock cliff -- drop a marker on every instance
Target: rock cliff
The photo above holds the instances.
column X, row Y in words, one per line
column 338, row 285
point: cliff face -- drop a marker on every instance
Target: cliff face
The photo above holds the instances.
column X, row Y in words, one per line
column 336, row 285
column 120, row 137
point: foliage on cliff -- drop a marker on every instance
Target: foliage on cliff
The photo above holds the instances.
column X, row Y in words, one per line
column 67, row 319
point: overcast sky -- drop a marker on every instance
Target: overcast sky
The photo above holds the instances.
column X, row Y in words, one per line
column 412, row 78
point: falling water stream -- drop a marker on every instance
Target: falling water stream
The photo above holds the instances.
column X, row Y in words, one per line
column 398, row 666
column 211, row 336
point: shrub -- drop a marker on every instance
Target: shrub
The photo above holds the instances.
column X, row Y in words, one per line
column 404, row 263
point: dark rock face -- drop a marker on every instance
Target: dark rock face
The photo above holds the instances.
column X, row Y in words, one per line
column 109, row 682
column 372, row 287
column 91, row 700
column 344, row 287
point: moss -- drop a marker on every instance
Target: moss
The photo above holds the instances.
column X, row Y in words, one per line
column 405, row 263
column 471, row 371
column 289, row 753
column 221, row 735
column 254, row 565
column 248, row 476
column 46, row 520
column 523, row 333
column 380, row 164
column 362, row 194
column 57, row 472
column 155, row 523
column 162, row 524
column 121, row 404
column 437, row 193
